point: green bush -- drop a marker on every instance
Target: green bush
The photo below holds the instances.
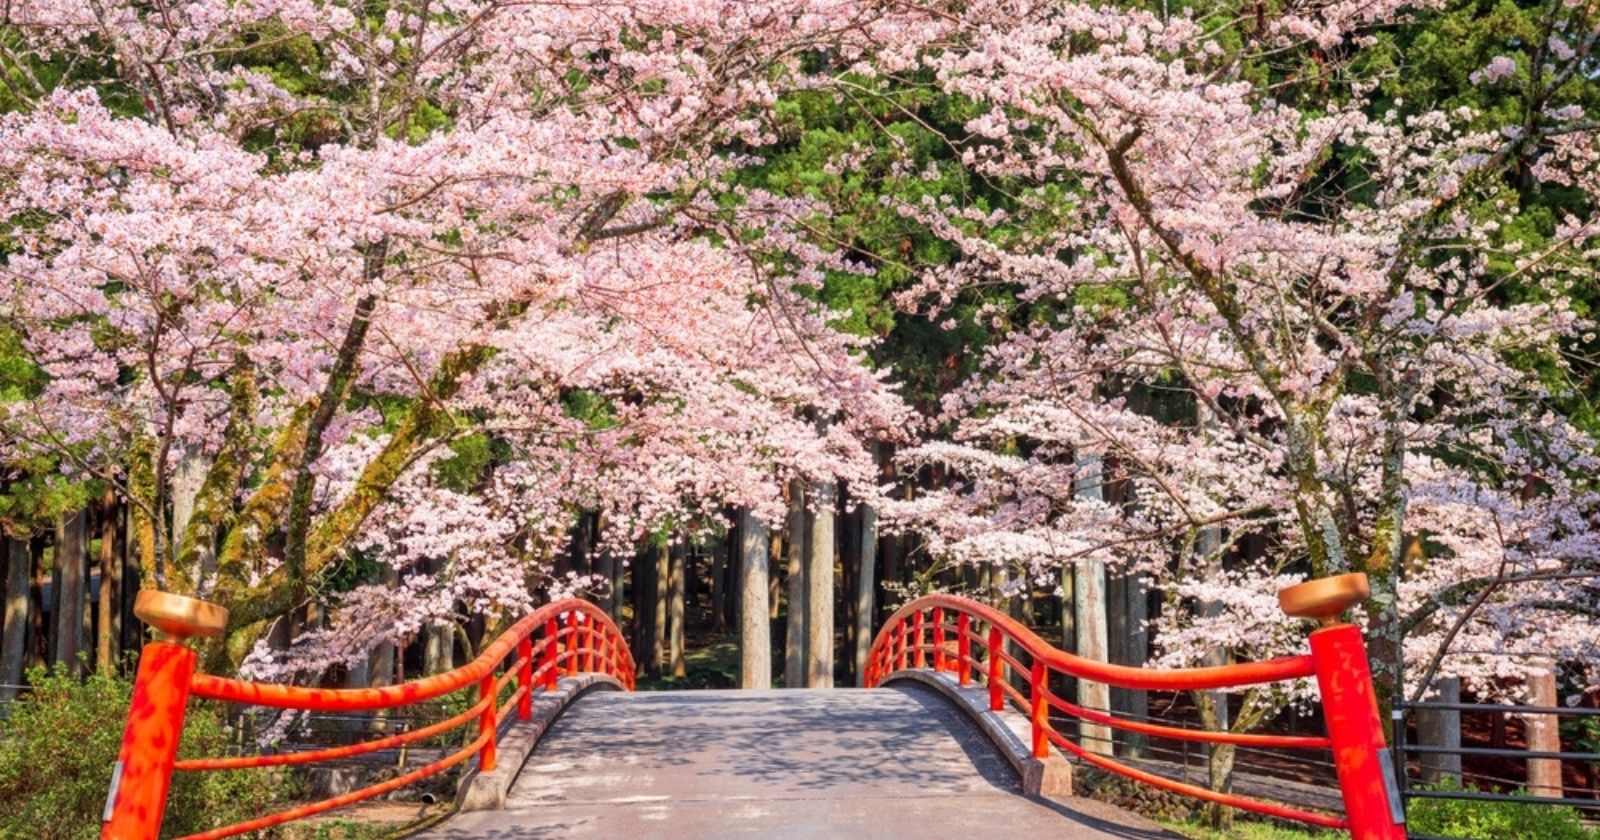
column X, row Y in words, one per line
column 1495, row 820
column 59, row 745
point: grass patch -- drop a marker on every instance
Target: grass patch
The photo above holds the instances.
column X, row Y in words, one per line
column 1248, row 830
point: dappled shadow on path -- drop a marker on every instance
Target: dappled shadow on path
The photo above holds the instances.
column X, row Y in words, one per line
column 886, row 763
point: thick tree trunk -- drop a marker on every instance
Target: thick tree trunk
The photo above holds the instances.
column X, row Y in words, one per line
column 678, row 572
column 1441, row 729
column 819, row 591
column 658, row 613
column 14, row 633
column 108, row 604
column 755, row 628
column 1089, row 605
column 866, row 545
column 794, row 640
column 72, row 564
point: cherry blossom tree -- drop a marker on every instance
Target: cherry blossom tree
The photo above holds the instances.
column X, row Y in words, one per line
column 327, row 247
column 1269, row 310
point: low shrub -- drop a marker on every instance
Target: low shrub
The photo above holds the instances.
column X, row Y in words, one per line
column 1481, row 820
column 58, row 747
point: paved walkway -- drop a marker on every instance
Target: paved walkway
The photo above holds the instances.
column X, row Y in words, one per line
column 704, row 765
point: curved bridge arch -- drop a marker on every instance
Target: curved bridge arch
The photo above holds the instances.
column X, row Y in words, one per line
column 564, row 638
column 972, row 659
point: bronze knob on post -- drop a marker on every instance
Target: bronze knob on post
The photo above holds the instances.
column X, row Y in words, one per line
column 178, row 617
column 1324, row 600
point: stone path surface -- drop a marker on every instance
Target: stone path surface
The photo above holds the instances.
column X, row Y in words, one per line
column 705, row 765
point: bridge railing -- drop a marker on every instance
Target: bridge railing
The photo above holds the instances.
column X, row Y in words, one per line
column 563, row 638
column 977, row 643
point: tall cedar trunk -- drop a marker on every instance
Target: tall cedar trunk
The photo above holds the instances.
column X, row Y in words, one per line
column 658, row 614
column 866, row 545
column 107, row 604
column 755, row 627
column 1089, row 605
column 677, row 575
column 719, row 587
column 1130, row 645
column 819, row 591
column 644, row 588
column 71, row 565
column 39, row 651
column 794, row 640
column 14, row 633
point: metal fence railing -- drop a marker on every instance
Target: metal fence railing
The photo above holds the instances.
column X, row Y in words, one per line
column 1485, row 784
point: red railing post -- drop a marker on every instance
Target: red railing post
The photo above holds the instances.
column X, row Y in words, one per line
column 1350, row 705
column 525, row 679
column 900, row 645
column 592, row 644
column 938, row 639
column 142, row 775
column 552, row 649
column 921, row 640
column 963, row 648
column 572, row 643
column 486, row 723
column 143, row 772
column 996, row 670
column 1360, row 756
column 1039, row 714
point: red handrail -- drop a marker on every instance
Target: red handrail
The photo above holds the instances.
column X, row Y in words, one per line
column 1338, row 662
column 573, row 636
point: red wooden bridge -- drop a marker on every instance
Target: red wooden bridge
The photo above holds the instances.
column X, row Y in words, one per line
column 787, row 763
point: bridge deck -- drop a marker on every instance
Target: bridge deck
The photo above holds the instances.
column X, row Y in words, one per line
column 884, row 764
